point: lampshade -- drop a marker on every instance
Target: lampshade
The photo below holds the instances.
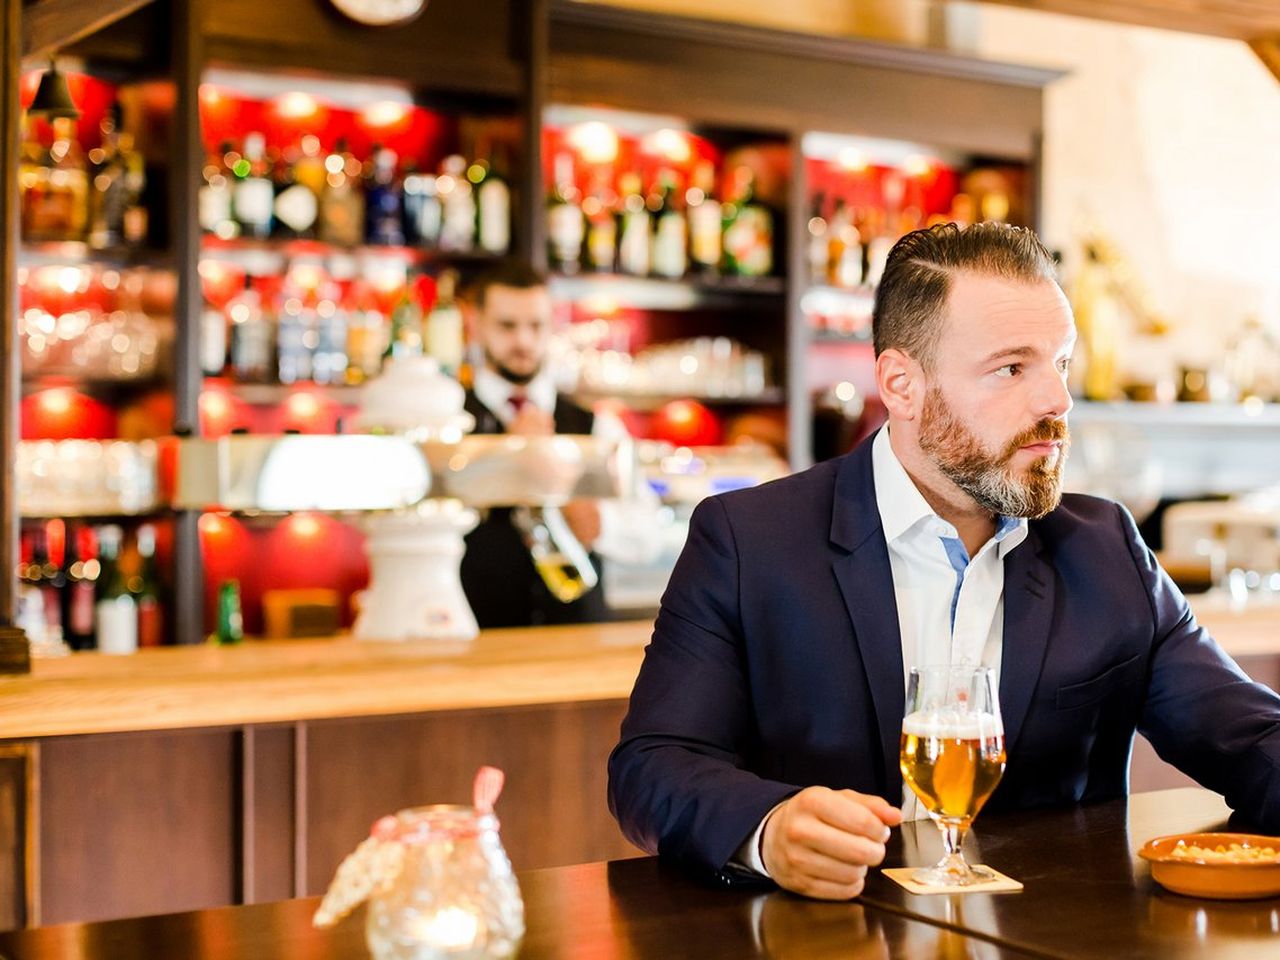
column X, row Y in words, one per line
column 53, row 99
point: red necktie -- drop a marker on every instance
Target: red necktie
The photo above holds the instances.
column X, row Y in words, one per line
column 518, row 400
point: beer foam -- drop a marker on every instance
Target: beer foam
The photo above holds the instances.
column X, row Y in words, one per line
column 953, row 726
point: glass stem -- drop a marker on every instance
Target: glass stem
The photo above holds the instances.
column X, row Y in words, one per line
column 952, row 837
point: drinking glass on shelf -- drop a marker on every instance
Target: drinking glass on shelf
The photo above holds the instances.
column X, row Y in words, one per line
column 952, row 756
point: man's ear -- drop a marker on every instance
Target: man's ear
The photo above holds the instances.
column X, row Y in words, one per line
column 900, row 381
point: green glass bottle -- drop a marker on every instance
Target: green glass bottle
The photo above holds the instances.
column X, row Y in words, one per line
column 230, row 621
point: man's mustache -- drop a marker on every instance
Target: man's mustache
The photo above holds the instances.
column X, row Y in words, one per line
column 1045, row 431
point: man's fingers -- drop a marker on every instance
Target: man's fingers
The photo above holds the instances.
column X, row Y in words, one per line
column 882, row 808
column 826, row 890
column 845, row 811
column 830, row 841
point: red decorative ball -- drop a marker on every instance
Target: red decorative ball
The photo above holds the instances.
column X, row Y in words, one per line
column 686, row 423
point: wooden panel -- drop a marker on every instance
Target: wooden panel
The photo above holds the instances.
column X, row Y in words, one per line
column 133, row 825
column 783, row 90
column 51, row 24
column 268, row 785
column 455, row 44
column 16, row 787
column 1268, row 51
column 553, row 809
column 282, row 681
column 10, row 370
column 1241, row 19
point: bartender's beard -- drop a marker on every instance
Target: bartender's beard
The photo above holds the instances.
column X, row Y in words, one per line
column 506, row 373
column 990, row 479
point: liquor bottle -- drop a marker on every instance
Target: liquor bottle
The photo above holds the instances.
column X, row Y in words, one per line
column 213, row 340
column 879, row 243
column 230, row 629
column 57, row 201
column 669, row 253
column 117, row 612
column 384, row 200
column 422, row 213
column 406, row 329
column 561, row 561
column 254, row 194
column 705, row 223
column 633, row 234
column 458, row 206
column 146, row 590
column 366, row 336
column 600, row 209
column 117, row 215
column 565, row 227
column 444, row 327
column 251, row 336
column 296, row 206
column 821, row 236
column 296, row 334
column 748, row 230
column 845, row 254
column 342, row 206
column 79, row 574
column 213, row 203
column 46, row 576
column 329, row 365
column 308, row 167
column 493, row 206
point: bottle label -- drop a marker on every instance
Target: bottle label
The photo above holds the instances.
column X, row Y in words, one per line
column 213, row 340
column 297, row 208
column 458, row 232
column 749, row 241
column 704, row 233
column 602, row 242
column 633, row 248
column 495, row 216
column 117, row 625
column 670, row 244
column 566, row 229
column 253, row 201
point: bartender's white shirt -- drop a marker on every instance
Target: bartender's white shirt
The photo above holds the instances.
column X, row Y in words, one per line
column 950, row 605
column 630, row 529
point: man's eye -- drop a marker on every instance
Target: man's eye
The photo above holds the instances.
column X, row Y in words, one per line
column 1009, row 370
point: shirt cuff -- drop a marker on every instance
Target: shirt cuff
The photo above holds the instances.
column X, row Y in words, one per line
column 748, row 855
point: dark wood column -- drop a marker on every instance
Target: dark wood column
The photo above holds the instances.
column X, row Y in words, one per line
column 10, row 370
column 188, row 62
column 531, row 40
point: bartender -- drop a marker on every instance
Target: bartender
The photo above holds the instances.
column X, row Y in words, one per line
column 514, row 392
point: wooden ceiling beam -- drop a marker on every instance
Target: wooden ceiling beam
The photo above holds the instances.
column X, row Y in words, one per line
column 1236, row 19
column 1268, row 51
column 48, row 25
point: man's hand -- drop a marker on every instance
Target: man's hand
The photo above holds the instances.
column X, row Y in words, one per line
column 583, row 520
column 532, row 422
column 821, row 841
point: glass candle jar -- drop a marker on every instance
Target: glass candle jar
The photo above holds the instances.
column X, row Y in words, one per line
column 454, row 896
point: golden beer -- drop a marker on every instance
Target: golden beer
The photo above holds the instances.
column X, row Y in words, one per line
column 952, row 767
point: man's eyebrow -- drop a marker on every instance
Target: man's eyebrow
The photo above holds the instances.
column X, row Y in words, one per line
column 1010, row 352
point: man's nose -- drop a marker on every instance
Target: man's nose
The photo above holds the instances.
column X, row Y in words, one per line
column 1053, row 399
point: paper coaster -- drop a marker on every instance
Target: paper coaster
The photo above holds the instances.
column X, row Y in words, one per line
column 1000, row 884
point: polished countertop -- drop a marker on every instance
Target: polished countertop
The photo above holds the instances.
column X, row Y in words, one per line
column 1087, row 896
column 287, row 680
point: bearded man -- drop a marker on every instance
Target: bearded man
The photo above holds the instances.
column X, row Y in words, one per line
column 763, row 733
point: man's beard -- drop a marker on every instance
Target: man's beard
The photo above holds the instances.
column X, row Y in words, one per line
column 989, row 479
column 506, row 373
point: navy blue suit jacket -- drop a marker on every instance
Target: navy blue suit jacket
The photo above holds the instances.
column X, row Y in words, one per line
column 776, row 663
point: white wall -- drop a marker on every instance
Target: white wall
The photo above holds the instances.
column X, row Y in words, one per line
column 1170, row 143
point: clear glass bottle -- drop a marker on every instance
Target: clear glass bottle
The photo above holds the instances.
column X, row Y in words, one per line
column 454, row 895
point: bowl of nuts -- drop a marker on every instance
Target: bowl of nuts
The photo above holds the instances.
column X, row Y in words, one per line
column 1218, row 866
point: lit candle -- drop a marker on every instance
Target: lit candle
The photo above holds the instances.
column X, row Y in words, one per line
column 449, row 930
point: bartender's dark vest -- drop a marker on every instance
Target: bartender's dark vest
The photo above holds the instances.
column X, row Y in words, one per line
column 498, row 575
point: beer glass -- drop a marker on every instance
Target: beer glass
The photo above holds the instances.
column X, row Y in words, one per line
column 952, row 757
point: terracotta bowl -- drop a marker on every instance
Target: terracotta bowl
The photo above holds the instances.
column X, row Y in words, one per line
column 1215, row 880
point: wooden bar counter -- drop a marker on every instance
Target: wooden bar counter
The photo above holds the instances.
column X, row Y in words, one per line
column 183, row 778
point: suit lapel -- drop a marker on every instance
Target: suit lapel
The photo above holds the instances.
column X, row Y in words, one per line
column 1028, row 615
column 866, row 584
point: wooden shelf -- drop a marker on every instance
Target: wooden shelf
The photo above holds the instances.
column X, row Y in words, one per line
column 103, row 389
column 656, row 293
column 271, row 394
column 77, row 252
column 772, row 396
column 249, row 253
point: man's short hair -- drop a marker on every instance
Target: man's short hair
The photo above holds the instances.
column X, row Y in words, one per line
column 913, row 292
column 507, row 273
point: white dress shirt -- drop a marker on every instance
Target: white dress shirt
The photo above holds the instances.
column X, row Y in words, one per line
column 950, row 605
column 630, row 528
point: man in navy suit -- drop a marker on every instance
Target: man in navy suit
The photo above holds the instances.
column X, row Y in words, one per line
column 762, row 738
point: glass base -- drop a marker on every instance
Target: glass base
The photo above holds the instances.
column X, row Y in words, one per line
column 952, row 872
